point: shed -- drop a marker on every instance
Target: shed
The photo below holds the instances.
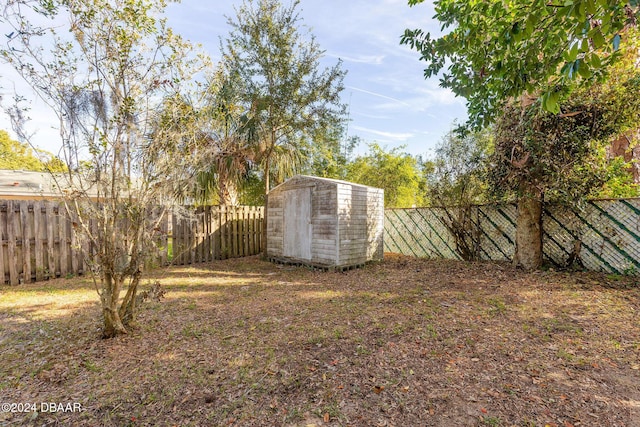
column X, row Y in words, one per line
column 325, row 222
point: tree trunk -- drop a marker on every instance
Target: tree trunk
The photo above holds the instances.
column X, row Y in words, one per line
column 267, row 172
column 227, row 185
column 228, row 193
column 129, row 307
column 266, row 208
column 528, row 254
column 110, row 295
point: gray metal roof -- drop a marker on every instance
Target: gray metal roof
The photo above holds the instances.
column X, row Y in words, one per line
column 330, row 180
column 20, row 183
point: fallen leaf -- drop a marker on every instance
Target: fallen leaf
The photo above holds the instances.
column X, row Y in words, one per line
column 326, row 417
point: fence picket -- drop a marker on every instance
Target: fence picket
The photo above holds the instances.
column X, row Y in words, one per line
column 208, row 237
column 74, row 249
column 51, row 249
column 3, row 277
column 191, row 232
column 38, row 246
column 63, row 246
column 245, row 230
column 26, row 242
column 234, row 237
column 224, row 251
column 215, row 230
column 250, row 230
column 12, row 237
column 201, row 233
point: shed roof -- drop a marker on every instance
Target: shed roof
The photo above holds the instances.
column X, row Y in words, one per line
column 328, row 180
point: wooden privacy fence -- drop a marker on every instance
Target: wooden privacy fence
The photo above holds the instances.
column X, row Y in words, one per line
column 216, row 232
column 38, row 241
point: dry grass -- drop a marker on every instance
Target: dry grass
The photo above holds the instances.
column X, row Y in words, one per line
column 402, row 343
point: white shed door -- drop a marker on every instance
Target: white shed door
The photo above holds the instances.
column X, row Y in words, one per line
column 297, row 223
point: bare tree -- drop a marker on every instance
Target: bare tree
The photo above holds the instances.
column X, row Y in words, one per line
column 105, row 75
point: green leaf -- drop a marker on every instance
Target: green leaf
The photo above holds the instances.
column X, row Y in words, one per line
column 584, row 70
column 567, row 69
column 598, row 39
column 551, row 103
column 575, row 68
column 584, row 46
column 573, row 53
column 580, row 11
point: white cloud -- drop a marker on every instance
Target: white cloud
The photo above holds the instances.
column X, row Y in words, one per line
column 360, row 59
column 393, row 136
column 379, row 95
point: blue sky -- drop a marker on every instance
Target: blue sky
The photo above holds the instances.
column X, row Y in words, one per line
column 389, row 100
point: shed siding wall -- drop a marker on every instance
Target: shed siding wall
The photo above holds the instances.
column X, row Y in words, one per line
column 275, row 224
column 352, row 217
column 324, row 221
column 375, row 224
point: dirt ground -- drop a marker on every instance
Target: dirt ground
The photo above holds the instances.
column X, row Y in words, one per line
column 405, row 342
